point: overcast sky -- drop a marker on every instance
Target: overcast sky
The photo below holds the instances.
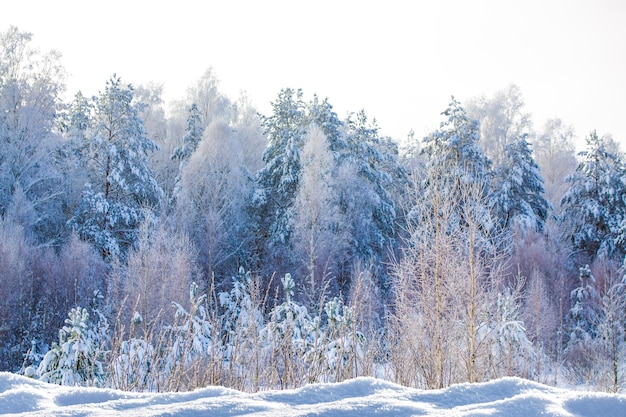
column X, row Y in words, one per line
column 399, row 60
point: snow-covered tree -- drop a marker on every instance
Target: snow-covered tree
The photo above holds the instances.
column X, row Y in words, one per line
column 289, row 334
column 148, row 98
column 193, row 135
column 242, row 325
column 455, row 163
column 612, row 333
column 134, row 366
column 159, row 270
column 16, row 256
column 318, row 226
column 211, row 204
column 504, row 132
column 342, row 342
column 585, row 312
column 250, row 133
column 368, row 169
column 320, row 113
column 363, row 165
column 192, row 340
column 211, row 103
column 149, row 101
column 239, row 303
column 502, row 120
column 595, row 202
column 78, row 358
column 517, row 189
column 169, row 357
column 40, row 285
column 411, row 152
column 454, row 151
column 121, row 191
column 188, row 119
column 277, row 181
column 31, row 84
column 443, row 284
column 554, row 152
column 504, row 334
column 584, row 318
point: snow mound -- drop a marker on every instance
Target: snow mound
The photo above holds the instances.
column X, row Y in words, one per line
column 360, row 397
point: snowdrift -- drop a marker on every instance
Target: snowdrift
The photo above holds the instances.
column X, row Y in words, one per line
column 359, row 397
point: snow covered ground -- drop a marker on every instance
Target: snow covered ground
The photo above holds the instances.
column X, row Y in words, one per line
column 360, row 397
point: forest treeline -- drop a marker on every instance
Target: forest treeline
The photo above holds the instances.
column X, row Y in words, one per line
column 147, row 247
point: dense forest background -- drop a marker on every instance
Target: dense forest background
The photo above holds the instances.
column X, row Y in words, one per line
column 154, row 247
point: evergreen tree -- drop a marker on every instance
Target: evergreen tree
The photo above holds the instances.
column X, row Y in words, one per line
column 455, row 163
column 133, row 367
column 193, row 135
column 78, row 119
column 242, row 324
column 241, row 314
column 584, row 319
column 505, row 335
column 191, row 336
column 517, row 189
column 585, row 313
column 363, row 167
column 78, row 358
column 368, row 168
column 121, row 191
column 277, row 181
column 321, row 114
column 454, row 151
column 342, row 342
column 595, row 201
column 289, row 336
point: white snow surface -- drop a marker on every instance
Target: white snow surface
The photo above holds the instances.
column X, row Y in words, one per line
column 359, row 397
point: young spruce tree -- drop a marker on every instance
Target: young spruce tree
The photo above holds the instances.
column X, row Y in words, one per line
column 595, row 201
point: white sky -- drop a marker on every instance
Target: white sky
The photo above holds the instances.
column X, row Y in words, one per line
column 399, row 60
